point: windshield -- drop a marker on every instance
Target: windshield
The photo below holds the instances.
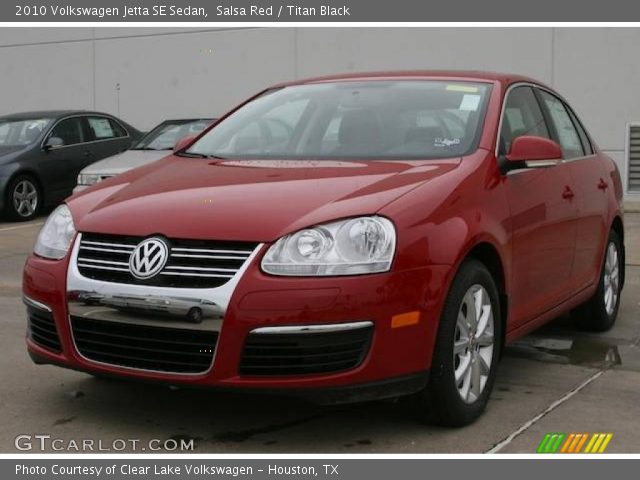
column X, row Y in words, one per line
column 360, row 120
column 167, row 134
column 18, row 133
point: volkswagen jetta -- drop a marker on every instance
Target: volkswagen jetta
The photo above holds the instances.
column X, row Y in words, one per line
column 343, row 238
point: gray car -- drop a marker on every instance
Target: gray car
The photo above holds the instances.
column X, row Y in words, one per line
column 41, row 154
column 153, row 146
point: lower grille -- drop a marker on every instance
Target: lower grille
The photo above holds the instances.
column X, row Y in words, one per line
column 305, row 352
column 171, row 350
column 42, row 329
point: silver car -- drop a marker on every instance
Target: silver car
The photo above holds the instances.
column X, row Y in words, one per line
column 153, row 146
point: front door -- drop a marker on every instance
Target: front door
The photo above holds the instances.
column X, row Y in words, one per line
column 61, row 165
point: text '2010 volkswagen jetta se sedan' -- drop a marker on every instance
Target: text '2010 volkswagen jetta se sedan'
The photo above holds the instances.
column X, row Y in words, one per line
column 344, row 238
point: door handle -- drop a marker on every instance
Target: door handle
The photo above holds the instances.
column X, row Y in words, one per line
column 568, row 193
column 602, row 185
column 88, row 153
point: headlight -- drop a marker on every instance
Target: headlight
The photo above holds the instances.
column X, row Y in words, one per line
column 88, row 179
column 57, row 234
column 347, row 247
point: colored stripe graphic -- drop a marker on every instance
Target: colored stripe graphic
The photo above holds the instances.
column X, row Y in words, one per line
column 570, row 439
column 551, row 443
column 606, row 441
column 598, row 443
column 573, row 443
column 543, row 443
column 556, row 445
column 581, row 442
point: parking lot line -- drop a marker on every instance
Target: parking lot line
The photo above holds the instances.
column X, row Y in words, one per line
column 20, row 227
column 499, row 446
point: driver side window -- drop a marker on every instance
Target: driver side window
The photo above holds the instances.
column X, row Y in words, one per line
column 522, row 116
column 70, row 131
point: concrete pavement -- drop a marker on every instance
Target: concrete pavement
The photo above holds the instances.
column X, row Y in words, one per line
column 557, row 379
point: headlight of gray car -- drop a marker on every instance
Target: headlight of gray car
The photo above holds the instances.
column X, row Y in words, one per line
column 57, row 234
column 88, row 179
column 347, row 247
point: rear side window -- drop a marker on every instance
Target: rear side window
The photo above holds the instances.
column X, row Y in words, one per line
column 565, row 129
column 104, row 128
column 118, row 129
column 584, row 138
column 522, row 116
column 70, row 131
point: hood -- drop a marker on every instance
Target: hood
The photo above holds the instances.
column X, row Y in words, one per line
column 125, row 161
column 7, row 151
column 244, row 200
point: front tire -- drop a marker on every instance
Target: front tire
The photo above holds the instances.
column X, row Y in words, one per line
column 23, row 199
column 464, row 363
column 599, row 313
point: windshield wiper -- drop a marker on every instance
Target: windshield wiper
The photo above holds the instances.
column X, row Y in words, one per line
column 191, row 155
column 200, row 155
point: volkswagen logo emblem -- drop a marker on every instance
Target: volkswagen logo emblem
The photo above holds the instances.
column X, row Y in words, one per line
column 149, row 258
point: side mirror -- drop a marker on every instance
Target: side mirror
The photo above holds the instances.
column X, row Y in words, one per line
column 183, row 143
column 53, row 143
column 529, row 148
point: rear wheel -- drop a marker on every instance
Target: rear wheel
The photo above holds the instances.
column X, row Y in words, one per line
column 23, row 199
column 467, row 349
column 599, row 313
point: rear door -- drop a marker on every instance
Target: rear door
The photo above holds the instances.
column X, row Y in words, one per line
column 109, row 137
column 543, row 216
column 590, row 188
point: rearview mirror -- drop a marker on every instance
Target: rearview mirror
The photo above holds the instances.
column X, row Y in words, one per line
column 529, row 148
column 53, row 142
column 183, row 143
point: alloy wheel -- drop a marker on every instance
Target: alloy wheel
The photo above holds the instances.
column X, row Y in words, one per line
column 611, row 278
column 473, row 343
column 25, row 198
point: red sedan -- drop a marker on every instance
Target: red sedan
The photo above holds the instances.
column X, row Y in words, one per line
column 342, row 238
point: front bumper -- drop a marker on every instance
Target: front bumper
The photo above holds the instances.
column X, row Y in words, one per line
column 396, row 361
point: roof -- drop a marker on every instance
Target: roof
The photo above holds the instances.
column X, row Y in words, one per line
column 469, row 75
column 197, row 119
column 48, row 114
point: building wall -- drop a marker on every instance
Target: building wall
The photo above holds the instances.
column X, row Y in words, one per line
column 145, row 75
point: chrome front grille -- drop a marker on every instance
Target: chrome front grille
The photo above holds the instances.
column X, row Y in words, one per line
column 191, row 264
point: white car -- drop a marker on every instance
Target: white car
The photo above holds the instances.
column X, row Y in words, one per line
column 153, row 146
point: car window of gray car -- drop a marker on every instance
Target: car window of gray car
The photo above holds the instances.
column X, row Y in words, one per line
column 70, row 131
column 118, row 130
column 165, row 135
column 103, row 128
column 22, row 132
